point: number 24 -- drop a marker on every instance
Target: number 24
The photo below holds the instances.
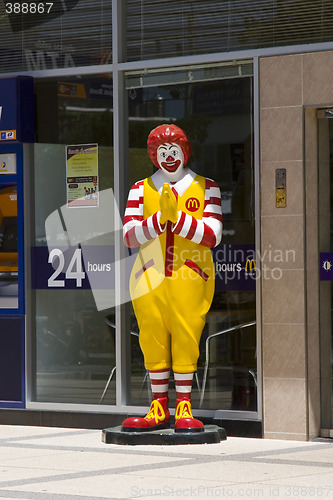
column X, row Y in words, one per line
column 76, row 274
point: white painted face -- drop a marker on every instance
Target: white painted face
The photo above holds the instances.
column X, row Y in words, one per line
column 170, row 159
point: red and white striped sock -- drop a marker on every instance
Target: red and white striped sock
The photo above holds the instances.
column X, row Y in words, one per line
column 159, row 380
column 183, row 384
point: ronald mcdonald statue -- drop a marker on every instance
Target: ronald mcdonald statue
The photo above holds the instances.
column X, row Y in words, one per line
column 175, row 218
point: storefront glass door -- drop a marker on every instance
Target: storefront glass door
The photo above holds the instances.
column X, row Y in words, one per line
column 214, row 106
column 325, row 139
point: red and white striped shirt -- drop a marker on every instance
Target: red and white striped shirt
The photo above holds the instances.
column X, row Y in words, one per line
column 206, row 231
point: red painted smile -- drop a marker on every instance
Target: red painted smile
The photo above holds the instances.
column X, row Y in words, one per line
column 171, row 166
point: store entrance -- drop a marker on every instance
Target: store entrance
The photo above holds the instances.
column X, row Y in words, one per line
column 215, row 109
column 325, row 185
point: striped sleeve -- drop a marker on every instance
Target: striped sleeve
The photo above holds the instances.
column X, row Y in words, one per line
column 136, row 229
column 208, row 230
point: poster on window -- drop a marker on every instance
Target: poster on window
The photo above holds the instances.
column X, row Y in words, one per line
column 82, row 175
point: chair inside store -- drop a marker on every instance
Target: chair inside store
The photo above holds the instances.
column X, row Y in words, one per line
column 243, row 377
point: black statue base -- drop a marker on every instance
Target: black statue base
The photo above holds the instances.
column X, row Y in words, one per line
column 211, row 434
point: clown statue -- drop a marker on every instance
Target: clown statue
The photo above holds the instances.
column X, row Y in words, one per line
column 175, row 218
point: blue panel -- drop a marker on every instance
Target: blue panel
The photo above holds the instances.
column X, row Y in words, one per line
column 17, row 110
column 8, row 102
column 16, row 127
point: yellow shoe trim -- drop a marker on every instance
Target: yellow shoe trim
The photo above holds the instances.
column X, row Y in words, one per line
column 183, row 410
column 156, row 412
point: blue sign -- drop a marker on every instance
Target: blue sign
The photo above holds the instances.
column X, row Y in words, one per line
column 93, row 267
column 235, row 267
column 326, row 266
column 73, row 268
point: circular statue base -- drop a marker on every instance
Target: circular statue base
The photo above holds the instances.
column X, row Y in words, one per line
column 210, row 434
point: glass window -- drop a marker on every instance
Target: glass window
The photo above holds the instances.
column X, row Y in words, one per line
column 214, row 106
column 58, row 34
column 170, row 28
column 74, row 340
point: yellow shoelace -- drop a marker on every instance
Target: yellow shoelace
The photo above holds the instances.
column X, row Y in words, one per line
column 156, row 412
column 183, row 410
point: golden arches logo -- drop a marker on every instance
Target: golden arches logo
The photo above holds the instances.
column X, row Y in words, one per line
column 250, row 263
column 192, row 204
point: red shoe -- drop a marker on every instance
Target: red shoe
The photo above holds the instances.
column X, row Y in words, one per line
column 184, row 421
column 158, row 417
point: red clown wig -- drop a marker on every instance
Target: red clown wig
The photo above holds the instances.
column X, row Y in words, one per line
column 167, row 134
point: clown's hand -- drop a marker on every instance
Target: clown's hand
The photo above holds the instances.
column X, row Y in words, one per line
column 168, row 205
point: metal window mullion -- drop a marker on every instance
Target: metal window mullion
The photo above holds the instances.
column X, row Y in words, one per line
column 119, row 151
column 119, row 192
column 256, row 155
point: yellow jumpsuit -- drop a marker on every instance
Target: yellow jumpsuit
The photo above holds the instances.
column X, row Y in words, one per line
column 172, row 287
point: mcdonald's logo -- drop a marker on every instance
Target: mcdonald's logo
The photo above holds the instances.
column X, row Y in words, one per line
column 250, row 263
column 192, row 204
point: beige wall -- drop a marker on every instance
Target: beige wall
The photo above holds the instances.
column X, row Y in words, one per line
column 291, row 88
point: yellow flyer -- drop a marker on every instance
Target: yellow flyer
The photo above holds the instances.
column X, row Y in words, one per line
column 82, row 175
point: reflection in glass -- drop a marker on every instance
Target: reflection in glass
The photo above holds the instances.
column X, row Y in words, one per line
column 224, row 26
column 75, row 348
column 73, row 344
column 49, row 35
